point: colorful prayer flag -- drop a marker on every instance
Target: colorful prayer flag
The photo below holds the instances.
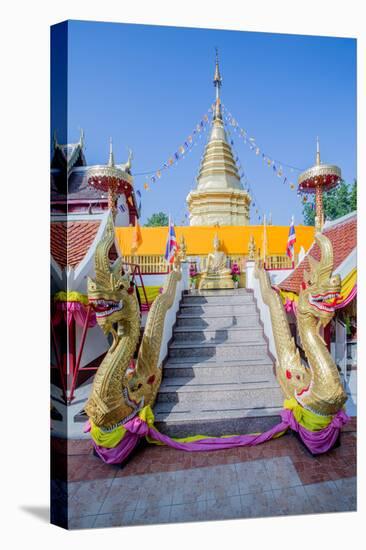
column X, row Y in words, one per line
column 291, row 240
column 171, row 244
column 136, row 237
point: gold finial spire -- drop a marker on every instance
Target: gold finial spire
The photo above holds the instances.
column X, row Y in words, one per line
column 111, row 155
column 317, row 151
column 217, row 77
column 81, row 139
column 217, row 83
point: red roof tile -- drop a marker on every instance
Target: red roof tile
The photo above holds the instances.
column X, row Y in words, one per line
column 343, row 237
column 70, row 241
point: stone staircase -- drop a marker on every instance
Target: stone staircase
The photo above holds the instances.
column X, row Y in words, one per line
column 218, row 377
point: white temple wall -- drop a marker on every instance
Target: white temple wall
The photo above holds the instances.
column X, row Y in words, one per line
column 96, row 343
column 171, row 315
column 264, row 312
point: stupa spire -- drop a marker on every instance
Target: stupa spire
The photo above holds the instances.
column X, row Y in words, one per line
column 219, row 198
column 317, row 160
column 111, row 155
column 217, row 83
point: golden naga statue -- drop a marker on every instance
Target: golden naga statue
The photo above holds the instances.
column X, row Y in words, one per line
column 316, row 386
column 215, row 273
column 251, row 248
column 120, row 388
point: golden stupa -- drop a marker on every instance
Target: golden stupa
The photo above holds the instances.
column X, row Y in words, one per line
column 219, row 198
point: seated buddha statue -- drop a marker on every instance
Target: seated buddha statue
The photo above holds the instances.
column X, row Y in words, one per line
column 215, row 273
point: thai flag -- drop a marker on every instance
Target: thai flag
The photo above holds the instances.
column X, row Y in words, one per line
column 291, row 240
column 171, row 244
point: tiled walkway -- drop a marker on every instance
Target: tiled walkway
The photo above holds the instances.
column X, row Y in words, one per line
column 161, row 485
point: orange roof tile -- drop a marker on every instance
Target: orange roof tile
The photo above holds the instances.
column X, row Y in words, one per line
column 70, row 241
column 343, row 237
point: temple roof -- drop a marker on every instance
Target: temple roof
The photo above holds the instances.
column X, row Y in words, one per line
column 70, row 241
column 78, row 187
column 71, row 177
column 67, row 156
column 343, row 236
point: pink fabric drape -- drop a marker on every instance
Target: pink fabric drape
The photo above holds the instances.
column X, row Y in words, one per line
column 73, row 310
column 321, row 441
column 317, row 442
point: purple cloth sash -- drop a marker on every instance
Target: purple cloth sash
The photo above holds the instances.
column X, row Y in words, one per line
column 317, row 442
column 118, row 454
column 322, row 440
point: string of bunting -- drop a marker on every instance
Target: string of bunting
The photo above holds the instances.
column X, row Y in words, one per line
column 179, row 154
column 275, row 165
column 231, row 124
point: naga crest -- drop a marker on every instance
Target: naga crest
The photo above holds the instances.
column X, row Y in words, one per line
column 109, row 289
column 320, row 290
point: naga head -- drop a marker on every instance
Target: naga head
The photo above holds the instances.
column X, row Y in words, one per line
column 109, row 290
column 320, row 290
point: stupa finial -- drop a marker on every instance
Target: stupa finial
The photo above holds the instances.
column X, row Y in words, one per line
column 111, row 155
column 217, row 77
column 217, row 83
column 317, row 151
column 82, row 138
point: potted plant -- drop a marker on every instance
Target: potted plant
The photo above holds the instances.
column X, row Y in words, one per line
column 235, row 272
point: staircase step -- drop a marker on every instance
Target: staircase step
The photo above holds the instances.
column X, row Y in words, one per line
column 178, row 420
column 218, row 300
column 209, row 410
column 236, row 380
column 218, row 292
column 218, row 377
column 195, row 334
column 214, row 322
column 220, row 351
column 211, row 369
column 255, row 394
column 218, row 309
column 199, row 361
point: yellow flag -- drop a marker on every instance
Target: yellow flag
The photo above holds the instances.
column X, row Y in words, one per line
column 136, row 237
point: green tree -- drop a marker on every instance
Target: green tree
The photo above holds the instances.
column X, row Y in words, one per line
column 339, row 201
column 353, row 196
column 158, row 219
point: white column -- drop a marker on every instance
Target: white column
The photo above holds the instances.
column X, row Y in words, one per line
column 185, row 275
column 250, row 274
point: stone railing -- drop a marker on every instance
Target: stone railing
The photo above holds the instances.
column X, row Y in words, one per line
column 279, row 262
column 149, row 264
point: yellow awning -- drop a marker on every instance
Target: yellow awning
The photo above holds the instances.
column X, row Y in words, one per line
column 199, row 239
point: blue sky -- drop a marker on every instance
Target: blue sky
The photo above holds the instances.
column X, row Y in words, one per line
column 148, row 86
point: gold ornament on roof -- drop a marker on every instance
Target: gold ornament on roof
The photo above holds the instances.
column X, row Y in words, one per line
column 183, row 249
column 251, row 248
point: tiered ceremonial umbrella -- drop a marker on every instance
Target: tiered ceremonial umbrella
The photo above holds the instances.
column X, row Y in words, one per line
column 111, row 179
column 316, row 180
